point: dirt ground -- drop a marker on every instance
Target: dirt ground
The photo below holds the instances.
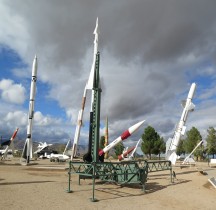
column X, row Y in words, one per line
column 43, row 185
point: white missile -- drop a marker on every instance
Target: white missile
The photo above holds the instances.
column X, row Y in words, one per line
column 78, row 127
column 27, row 150
column 124, row 136
column 186, row 159
column 89, row 86
column 132, row 154
column 180, row 129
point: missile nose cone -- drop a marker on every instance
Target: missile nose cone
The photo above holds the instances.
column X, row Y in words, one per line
column 192, row 90
column 133, row 128
column 96, row 27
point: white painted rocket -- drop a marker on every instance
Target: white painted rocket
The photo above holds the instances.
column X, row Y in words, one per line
column 89, row 86
column 186, row 159
column 172, row 143
column 27, row 150
column 124, row 136
column 78, row 127
column 132, row 154
column 9, row 143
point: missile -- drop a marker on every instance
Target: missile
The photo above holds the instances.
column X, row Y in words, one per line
column 9, row 143
column 185, row 160
column 27, row 150
column 78, row 127
column 89, row 86
column 124, row 154
column 90, row 82
column 124, row 136
column 132, row 155
column 181, row 128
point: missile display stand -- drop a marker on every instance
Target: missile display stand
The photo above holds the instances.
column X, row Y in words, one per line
column 127, row 172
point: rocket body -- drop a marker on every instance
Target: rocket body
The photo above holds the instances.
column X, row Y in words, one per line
column 124, row 136
column 185, row 160
column 27, row 150
column 180, row 130
column 89, row 86
column 124, row 154
column 78, row 127
column 8, row 146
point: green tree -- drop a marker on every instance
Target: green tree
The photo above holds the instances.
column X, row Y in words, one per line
column 150, row 141
column 180, row 149
column 211, row 141
column 193, row 137
column 159, row 147
column 119, row 148
column 102, row 141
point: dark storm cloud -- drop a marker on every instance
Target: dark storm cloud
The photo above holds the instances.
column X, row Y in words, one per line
column 147, row 49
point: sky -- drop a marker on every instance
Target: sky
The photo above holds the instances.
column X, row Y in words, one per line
column 151, row 52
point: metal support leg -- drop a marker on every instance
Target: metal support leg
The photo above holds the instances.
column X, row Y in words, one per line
column 93, row 183
column 69, row 179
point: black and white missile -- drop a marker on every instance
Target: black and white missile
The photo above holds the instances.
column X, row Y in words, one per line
column 27, row 150
column 89, row 86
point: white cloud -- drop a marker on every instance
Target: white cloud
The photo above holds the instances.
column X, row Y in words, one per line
column 12, row 93
column 16, row 119
column 41, row 120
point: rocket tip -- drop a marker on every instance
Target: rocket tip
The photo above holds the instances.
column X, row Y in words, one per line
column 142, row 122
column 96, row 27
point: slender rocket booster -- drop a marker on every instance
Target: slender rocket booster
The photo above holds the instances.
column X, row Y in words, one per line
column 124, row 154
column 78, row 127
column 89, row 86
column 180, row 130
column 186, row 159
column 132, row 154
column 124, row 136
column 9, row 143
column 27, row 150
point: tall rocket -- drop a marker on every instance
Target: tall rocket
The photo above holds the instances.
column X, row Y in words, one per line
column 89, row 86
column 27, row 150
column 172, row 143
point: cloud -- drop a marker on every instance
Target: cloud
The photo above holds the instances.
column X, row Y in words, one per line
column 12, row 93
column 150, row 53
